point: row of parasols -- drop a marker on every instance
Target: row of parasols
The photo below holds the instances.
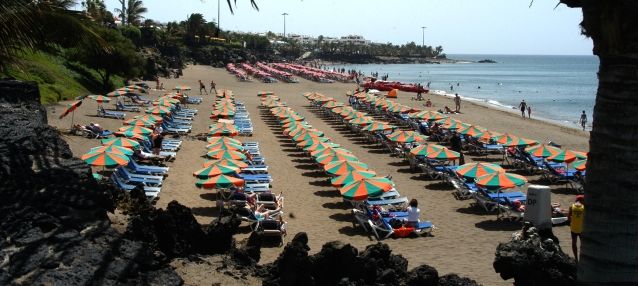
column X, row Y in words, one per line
column 225, row 153
column 551, row 153
column 352, row 177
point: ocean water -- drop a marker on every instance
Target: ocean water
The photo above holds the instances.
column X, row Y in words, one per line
column 558, row 88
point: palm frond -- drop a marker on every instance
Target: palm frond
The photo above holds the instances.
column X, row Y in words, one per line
column 253, row 3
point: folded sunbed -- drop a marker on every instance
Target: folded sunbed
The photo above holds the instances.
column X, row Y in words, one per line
column 151, row 192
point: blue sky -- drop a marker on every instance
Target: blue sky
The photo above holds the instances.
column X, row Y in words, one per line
column 460, row 26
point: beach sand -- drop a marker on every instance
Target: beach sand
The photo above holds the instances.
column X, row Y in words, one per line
column 465, row 239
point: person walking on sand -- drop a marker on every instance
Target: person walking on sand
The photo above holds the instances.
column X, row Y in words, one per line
column 583, row 120
column 202, row 87
column 523, row 107
column 457, row 103
column 576, row 216
column 212, row 87
column 529, row 111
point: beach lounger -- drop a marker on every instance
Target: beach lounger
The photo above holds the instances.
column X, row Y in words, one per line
column 146, row 169
column 261, row 178
column 256, row 187
column 136, row 179
column 272, row 228
column 110, row 114
column 255, row 169
column 122, row 107
column 151, row 192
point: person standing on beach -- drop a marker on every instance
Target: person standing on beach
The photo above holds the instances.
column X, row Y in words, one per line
column 583, row 120
column 456, row 144
column 576, row 217
column 202, row 87
column 212, row 87
column 523, row 107
column 529, row 111
column 457, row 103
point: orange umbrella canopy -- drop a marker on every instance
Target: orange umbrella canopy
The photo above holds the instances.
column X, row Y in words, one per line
column 367, row 187
column 342, row 167
column 220, row 182
column 227, row 162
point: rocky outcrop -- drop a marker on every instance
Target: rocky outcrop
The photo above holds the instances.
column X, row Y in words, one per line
column 534, row 259
column 341, row 264
column 54, row 228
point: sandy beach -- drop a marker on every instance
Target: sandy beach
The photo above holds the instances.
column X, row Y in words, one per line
column 465, row 239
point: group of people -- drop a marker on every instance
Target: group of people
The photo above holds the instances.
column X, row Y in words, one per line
column 202, row 87
column 523, row 106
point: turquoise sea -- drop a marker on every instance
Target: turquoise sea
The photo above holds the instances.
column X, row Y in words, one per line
column 557, row 87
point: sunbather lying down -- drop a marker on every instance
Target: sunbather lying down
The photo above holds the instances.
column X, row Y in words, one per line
column 260, row 210
column 140, row 154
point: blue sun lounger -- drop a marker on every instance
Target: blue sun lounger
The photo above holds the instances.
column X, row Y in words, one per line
column 135, row 179
column 146, row 169
column 151, row 192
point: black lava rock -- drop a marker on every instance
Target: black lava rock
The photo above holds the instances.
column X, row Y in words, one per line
column 534, row 260
column 54, row 228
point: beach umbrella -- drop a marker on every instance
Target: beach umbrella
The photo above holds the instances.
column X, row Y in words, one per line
column 305, row 136
column 486, row 136
column 563, row 156
column 350, row 177
column 511, row 140
column 150, row 117
column 225, row 112
column 217, row 139
column 354, row 115
column 424, row 150
column 500, row 180
column 137, row 87
column 132, row 89
column 139, row 122
column 130, row 134
column 378, row 126
column 99, row 98
column 318, row 145
column 136, row 129
column 580, row 154
column 215, row 170
column 364, row 120
column 105, row 159
column 226, row 154
column 117, row 93
column 367, row 187
column 227, row 130
column 312, row 141
column 158, row 110
column 580, row 165
column 406, row 136
column 342, row 167
column 293, row 117
column 121, row 142
column 70, row 108
column 111, row 149
column 474, row 170
column 318, row 152
column 182, row 87
column 227, row 162
column 164, row 102
column 542, row 150
column 220, row 182
column 444, row 154
column 329, row 158
column 312, row 131
column 427, row 115
column 225, row 146
column 454, row 124
column 472, row 130
column 333, row 104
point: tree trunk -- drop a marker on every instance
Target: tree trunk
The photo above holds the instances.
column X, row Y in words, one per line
column 609, row 249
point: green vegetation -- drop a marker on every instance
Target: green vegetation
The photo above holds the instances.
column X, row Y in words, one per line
column 58, row 79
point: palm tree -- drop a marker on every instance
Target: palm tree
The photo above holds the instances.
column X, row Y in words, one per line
column 134, row 12
column 609, row 252
column 131, row 13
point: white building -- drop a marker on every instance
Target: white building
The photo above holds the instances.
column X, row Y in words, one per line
column 354, row 39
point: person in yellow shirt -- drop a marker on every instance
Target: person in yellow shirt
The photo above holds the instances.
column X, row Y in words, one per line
column 576, row 217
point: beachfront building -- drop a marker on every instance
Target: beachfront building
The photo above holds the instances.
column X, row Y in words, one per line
column 355, row 40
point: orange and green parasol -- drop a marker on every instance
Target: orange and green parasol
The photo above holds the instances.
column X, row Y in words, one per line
column 342, row 167
column 105, row 159
column 226, row 154
column 215, row 170
column 474, row 170
column 500, row 180
column 220, row 182
column 121, row 142
column 350, row 177
column 367, row 187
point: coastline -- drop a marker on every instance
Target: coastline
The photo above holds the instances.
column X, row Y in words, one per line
column 511, row 110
